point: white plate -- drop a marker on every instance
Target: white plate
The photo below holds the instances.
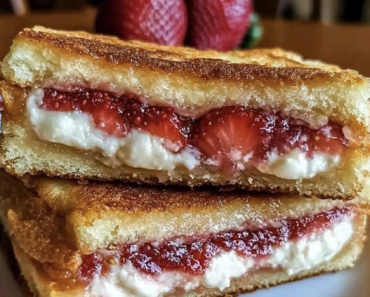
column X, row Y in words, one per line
column 350, row 283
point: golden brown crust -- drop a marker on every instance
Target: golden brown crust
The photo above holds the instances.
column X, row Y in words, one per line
column 66, row 195
column 35, row 225
column 63, row 215
column 41, row 236
column 190, row 80
column 176, row 59
column 145, row 199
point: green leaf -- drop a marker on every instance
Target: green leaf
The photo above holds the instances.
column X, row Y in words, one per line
column 254, row 33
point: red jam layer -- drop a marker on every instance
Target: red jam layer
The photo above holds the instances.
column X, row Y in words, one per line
column 217, row 134
column 194, row 256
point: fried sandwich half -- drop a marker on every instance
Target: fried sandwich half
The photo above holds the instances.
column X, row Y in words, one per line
column 108, row 240
column 95, row 107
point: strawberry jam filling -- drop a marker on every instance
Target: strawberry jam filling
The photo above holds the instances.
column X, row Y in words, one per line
column 193, row 255
column 226, row 135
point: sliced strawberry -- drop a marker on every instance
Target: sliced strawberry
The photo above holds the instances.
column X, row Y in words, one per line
column 165, row 123
column 108, row 119
column 57, row 101
column 116, row 115
column 218, row 24
column 92, row 265
column 329, row 139
column 229, row 134
column 104, row 108
column 158, row 21
column 290, row 134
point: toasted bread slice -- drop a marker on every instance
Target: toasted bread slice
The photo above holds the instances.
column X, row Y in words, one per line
column 190, row 79
column 191, row 83
column 84, row 220
column 23, row 152
column 95, row 215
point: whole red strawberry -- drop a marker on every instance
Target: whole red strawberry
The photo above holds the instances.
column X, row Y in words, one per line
column 158, row 21
column 218, row 24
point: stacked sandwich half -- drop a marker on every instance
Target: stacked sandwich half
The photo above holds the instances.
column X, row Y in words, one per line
column 132, row 169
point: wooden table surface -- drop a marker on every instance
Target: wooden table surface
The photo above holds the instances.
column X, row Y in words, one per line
column 345, row 45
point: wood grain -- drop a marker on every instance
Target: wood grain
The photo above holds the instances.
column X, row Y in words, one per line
column 345, row 45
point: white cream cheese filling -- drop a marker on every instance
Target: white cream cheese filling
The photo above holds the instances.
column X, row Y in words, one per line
column 292, row 257
column 142, row 150
column 297, row 165
column 76, row 129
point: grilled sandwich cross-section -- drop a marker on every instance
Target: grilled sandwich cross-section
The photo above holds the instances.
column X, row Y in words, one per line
column 95, row 107
column 105, row 240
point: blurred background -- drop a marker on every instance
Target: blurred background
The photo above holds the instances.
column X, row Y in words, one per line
column 323, row 10
column 336, row 31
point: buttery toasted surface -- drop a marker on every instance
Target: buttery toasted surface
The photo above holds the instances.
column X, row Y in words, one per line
column 191, row 80
column 41, row 286
column 83, row 217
